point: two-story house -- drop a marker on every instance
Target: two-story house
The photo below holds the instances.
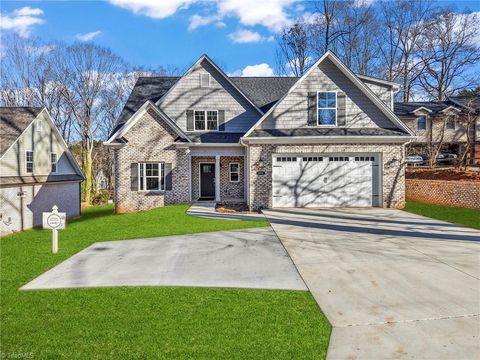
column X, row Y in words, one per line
column 37, row 169
column 452, row 122
column 327, row 139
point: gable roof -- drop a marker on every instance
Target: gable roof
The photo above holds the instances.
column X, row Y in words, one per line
column 470, row 102
column 202, row 58
column 354, row 79
column 13, row 122
column 409, row 108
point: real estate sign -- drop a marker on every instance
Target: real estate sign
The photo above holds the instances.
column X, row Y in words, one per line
column 54, row 220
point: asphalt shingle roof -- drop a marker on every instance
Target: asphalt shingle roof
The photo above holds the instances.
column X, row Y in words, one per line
column 406, row 108
column 327, row 132
column 13, row 122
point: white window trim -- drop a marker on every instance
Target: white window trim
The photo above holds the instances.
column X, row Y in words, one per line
column 426, row 122
column 335, row 108
column 230, row 172
column 206, row 121
column 161, row 170
column 209, row 82
column 26, row 162
column 56, row 162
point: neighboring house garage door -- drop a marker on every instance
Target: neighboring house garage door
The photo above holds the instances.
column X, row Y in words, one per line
column 326, row 180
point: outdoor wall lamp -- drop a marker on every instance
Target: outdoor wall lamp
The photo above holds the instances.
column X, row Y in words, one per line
column 261, row 162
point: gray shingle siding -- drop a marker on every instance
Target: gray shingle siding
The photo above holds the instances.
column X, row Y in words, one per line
column 360, row 111
column 240, row 115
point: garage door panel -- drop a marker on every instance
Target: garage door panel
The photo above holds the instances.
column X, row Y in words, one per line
column 323, row 181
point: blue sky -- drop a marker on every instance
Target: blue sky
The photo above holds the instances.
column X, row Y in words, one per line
column 150, row 33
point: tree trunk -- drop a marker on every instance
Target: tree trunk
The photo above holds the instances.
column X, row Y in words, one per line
column 88, row 165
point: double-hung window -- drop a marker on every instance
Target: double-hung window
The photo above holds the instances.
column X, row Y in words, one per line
column 206, row 120
column 29, row 161
column 151, row 176
column 451, row 123
column 422, row 122
column 53, row 162
column 327, row 108
column 234, row 172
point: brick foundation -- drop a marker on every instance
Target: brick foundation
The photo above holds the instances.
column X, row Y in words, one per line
column 450, row 193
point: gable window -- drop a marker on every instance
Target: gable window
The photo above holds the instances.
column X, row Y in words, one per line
column 151, row 176
column 53, row 162
column 29, row 161
column 206, row 120
column 234, row 172
column 39, row 125
column 327, row 108
column 450, row 123
column 204, row 80
column 422, row 122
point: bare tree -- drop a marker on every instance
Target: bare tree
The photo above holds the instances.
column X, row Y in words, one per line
column 451, row 43
column 87, row 70
column 404, row 26
column 469, row 119
column 293, row 53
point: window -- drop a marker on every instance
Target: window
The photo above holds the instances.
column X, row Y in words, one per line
column 234, row 172
column 151, row 176
column 450, row 123
column 312, row 158
column 286, row 159
column 338, row 158
column 53, row 162
column 422, row 122
column 204, row 80
column 327, row 108
column 39, row 125
column 364, row 158
column 206, row 120
column 29, row 161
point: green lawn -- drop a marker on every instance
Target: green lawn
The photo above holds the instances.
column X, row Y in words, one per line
column 461, row 216
column 146, row 322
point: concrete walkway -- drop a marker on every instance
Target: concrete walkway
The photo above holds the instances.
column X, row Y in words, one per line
column 251, row 258
column 392, row 284
column 207, row 210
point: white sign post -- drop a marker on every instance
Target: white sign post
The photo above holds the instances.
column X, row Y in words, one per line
column 55, row 221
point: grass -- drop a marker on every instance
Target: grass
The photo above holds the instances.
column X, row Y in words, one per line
column 146, row 322
column 460, row 216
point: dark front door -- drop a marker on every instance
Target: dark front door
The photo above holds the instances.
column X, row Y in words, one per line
column 207, row 181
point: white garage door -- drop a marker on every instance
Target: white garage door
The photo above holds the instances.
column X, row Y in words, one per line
column 325, row 180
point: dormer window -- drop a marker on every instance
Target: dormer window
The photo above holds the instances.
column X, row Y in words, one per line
column 451, row 123
column 326, row 108
column 205, row 80
column 422, row 122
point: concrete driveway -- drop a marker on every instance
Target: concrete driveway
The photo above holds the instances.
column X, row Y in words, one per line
column 392, row 284
column 252, row 258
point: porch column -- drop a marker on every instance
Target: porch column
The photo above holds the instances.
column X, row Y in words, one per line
column 217, row 178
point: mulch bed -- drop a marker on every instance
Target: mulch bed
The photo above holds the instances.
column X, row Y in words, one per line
column 232, row 208
column 443, row 174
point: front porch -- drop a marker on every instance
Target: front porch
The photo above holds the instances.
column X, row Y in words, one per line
column 218, row 178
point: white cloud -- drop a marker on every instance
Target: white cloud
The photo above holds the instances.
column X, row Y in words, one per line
column 157, row 9
column 220, row 24
column 363, row 3
column 198, row 20
column 22, row 20
column 268, row 13
column 88, row 36
column 248, row 36
column 254, row 70
column 271, row 14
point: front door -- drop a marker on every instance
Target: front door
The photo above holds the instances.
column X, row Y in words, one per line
column 207, row 180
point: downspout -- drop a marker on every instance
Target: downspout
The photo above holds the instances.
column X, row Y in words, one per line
column 247, row 171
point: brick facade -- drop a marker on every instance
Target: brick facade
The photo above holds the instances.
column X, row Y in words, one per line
column 392, row 169
column 451, row 193
column 150, row 140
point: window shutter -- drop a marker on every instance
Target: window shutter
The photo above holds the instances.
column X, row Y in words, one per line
column 341, row 109
column 168, row 176
column 221, row 120
column 190, row 120
column 134, row 176
column 312, row 109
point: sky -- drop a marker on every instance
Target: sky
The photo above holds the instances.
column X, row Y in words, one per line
column 237, row 34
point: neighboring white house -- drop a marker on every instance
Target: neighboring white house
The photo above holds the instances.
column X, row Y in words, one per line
column 37, row 169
